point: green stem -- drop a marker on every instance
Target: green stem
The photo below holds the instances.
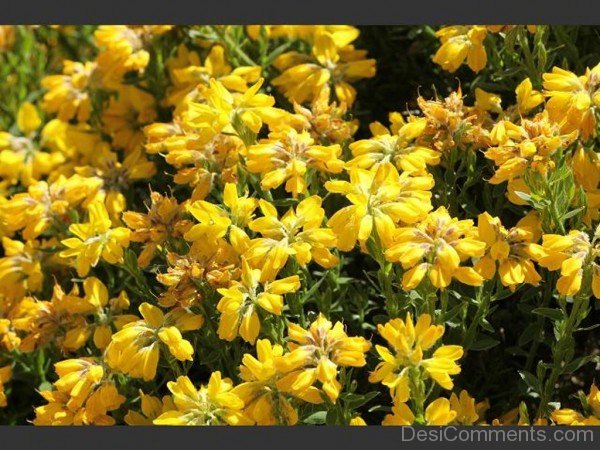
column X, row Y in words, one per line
column 227, row 360
column 294, row 298
column 417, row 390
column 443, row 304
column 484, row 298
column 385, row 275
column 547, row 296
column 560, row 350
column 233, row 47
column 529, row 63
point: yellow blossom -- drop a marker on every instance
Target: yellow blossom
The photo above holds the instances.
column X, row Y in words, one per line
column 316, row 354
column 527, row 97
column 287, row 155
column 126, row 115
column 436, row 247
column 573, row 99
column 567, row 416
column 224, row 110
column 68, row 94
column 135, row 349
column 151, row 408
column 410, row 342
column 303, row 75
column 460, row 43
column 398, row 148
column 508, row 251
column 266, row 399
column 95, row 240
column 213, row 404
column 381, row 199
column 154, row 228
column 571, row 255
column 83, row 395
column 239, row 303
column 298, row 233
column 437, row 413
column 5, row 376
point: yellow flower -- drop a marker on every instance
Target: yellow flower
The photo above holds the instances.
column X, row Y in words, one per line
column 287, row 155
column 126, row 115
column 327, row 122
column 586, row 173
column 437, row 413
column 135, row 349
column 189, row 75
column 213, row 261
column 509, row 250
column 197, row 153
column 486, row 101
column 241, row 208
column 357, row 421
column 108, row 311
column 398, row 147
column 381, row 199
column 573, row 99
column 20, row 268
column 517, row 148
column 465, row 408
column 151, row 408
column 239, row 303
column 123, row 49
column 83, row 395
column 36, row 210
column 436, row 247
column 7, row 37
column 571, row 255
column 5, row 376
column 60, row 321
column 298, row 234
column 225, row 111
column 316, row 354
column 68, row 94
column 451, row 124
column 214, row 220
column 266, row 400
column 28, row 118
column 527, row 97
column 213, row 404
column 154, row 228
column 460, row 43
column 22, row 159
column 341, row 34
column 303, row 76
column 117, row 176
column 94, row 240
column 571, row 417
column 410, row 342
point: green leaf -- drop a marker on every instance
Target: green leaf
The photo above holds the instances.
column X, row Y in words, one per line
column 577, row 363
column 573, row 213
column 485, row 343
column 333, row 417
column 529, row 334
column 355, row 401
column 530, row 380
column 554, row 314
column 317, row 418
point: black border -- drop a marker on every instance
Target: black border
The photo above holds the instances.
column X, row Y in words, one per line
column 261, row 438
column 359, row 12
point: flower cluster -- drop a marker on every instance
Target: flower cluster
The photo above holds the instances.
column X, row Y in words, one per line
column 205, row 225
